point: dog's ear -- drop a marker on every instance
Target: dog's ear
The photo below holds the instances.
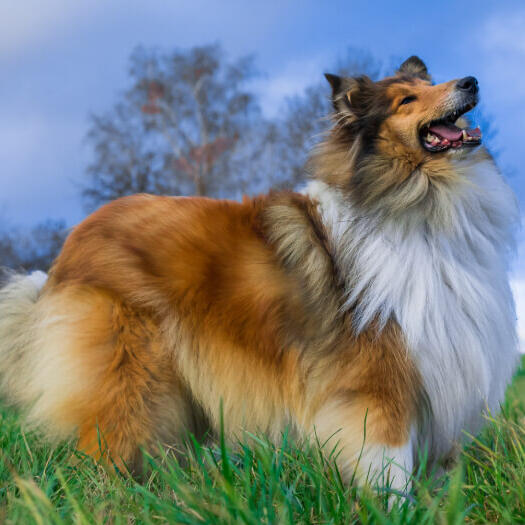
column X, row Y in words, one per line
column 414, row 67
column 346, row 94
column 335, row 82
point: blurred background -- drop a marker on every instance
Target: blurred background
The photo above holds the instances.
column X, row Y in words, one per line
column 101, row 99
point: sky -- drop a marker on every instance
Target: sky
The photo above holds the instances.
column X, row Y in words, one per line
column 61, row 60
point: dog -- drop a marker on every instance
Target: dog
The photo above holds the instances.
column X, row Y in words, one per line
column 372, row 310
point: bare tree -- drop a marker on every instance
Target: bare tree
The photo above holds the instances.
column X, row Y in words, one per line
column 178, row 129
column 34, row 249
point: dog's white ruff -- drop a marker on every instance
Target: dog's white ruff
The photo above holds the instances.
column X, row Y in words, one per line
column 448, row 290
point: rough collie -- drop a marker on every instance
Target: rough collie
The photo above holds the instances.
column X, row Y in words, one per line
column 376, row 301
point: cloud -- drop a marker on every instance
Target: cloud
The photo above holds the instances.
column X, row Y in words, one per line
column 518, row 288
column 518, row 268
column 501, row 43
column 500, row 54
column 518, row 285
column 291, row 80
column 38, row 174
column 504, row 32
column 29, row 23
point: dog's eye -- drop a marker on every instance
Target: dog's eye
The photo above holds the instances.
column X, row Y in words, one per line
column 407, row 100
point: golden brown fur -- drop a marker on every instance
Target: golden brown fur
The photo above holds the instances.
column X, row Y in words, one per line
column 173, row 306
column 161, row 311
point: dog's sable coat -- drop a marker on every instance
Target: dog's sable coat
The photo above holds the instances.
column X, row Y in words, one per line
column 378, row 293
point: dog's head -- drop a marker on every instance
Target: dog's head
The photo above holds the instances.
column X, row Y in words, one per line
column 407, row 110
column 387, row 130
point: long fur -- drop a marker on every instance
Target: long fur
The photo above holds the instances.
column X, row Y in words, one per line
column 447, row 287
column 379, row 297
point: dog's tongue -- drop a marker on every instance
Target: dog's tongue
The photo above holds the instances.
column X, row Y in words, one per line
column 446, row 131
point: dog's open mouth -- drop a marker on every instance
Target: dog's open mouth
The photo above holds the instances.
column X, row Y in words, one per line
column 443, row 134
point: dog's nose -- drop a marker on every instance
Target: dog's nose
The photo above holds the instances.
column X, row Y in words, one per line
column 468, row 84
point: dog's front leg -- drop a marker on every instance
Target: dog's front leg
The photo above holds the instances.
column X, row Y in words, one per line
column 370, row 444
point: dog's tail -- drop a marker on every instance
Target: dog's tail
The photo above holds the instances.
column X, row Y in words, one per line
column 18, row 340
column 56, row 346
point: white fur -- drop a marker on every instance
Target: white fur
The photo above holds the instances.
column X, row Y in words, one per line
column 38, row 278
column 38, row 361
column 356, row 456
column 446, row 287
column 17, row 306
column 388, row 466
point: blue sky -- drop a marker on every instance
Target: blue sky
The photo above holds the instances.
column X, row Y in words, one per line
column 62, row 59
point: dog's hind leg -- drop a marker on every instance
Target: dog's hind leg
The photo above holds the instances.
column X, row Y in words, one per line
column 140, row 402
column 94, row 368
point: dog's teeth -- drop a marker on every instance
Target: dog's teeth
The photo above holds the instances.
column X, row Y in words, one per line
column 465, row 136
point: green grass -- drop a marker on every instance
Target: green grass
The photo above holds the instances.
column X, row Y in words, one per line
column 259, row 483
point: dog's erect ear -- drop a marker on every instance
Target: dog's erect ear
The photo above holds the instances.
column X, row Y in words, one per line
column 334, row 81
column 344, row 93
column 414, row 67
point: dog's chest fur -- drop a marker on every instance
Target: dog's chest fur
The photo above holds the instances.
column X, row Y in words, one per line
column 447, row 288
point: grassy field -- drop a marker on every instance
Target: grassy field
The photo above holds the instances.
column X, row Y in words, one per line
column 259, row 483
